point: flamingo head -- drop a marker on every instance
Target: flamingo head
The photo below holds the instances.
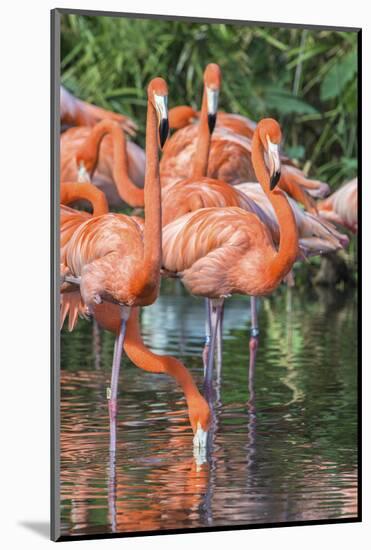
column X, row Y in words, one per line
column 86, row 163
column 181, row 116
column 200, row 417
column 157, row 95
column 212, row 82
column 271, row 136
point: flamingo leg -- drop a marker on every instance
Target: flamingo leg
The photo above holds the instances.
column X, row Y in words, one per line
column 205, row 352
column 219, row 345
column 72, row 279
column 215, row 313
column 112, row 391
column 254, row 338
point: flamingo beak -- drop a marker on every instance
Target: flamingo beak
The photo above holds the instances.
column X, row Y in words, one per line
column 163, row 118
column 83, row 175
column 212, row 96
column 274, row 163
column 200, row 438
column 97, row 299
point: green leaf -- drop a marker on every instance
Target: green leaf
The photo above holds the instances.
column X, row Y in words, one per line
column 268, row 36
column 286, row 103
column 337, row 77
column 306, row 54
column 295, row 152
column 123, row 92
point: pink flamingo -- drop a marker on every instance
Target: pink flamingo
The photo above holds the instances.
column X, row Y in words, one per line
column 222, row 251
column 116, row 262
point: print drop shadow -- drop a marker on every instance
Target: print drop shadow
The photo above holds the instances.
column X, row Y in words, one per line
column 41, row 528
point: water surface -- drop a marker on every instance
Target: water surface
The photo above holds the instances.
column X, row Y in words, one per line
column 287, row 453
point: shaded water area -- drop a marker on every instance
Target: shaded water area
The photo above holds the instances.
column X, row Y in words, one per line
column 287, row 453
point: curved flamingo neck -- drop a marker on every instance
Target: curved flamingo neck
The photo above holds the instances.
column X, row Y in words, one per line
column 127, row 190
column 145, row 359
column 201, row 156
column 72, row 191
column 288, row 246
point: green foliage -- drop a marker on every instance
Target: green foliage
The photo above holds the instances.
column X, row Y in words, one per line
column 306, row 79
column 340, row 73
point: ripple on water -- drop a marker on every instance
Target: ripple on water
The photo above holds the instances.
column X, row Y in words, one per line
column 288, row 455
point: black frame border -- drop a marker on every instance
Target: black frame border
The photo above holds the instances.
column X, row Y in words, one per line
column 54, row 223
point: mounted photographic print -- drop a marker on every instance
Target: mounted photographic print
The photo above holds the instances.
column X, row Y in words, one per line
column 205, row 226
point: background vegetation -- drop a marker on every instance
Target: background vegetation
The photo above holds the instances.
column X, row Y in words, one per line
column 304, row 78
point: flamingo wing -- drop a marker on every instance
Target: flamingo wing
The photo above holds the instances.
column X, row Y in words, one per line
column 315, row 235
column 191, row 195
column 205, row 246
column 100, row 236
column 71, row 304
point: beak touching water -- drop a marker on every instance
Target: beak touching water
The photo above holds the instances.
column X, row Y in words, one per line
column 212, row 107
column 200, row 437
column 163, row 118
column 274, row 163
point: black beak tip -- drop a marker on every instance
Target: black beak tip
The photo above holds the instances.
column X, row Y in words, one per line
column 211, row 119
column 274, row 180
column 163, row 131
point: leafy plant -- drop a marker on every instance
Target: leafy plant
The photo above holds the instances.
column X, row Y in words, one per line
column 307, row 79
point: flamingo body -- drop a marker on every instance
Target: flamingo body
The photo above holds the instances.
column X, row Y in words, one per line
column 342, row 206
column 219, row 252
column 107, row 253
